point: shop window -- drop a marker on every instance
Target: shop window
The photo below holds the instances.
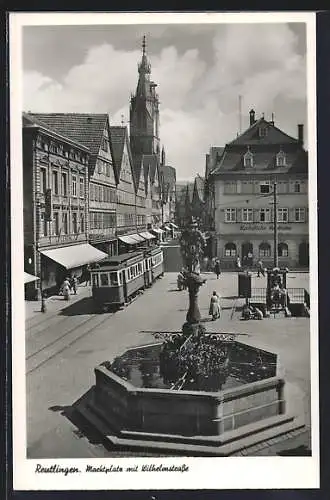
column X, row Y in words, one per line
column 283, row 250
column 264, row 250
column 230, row 250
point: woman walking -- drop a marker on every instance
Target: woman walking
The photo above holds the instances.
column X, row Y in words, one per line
column 217, row 269
column 66, row 289
column 215, row 308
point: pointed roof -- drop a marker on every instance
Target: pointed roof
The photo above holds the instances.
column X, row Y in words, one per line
column 118, row 138
column 199, row 187
column 86, row 128
column 151, row 166
column 274, row 135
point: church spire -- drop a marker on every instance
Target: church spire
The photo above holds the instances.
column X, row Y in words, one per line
column 144, row 66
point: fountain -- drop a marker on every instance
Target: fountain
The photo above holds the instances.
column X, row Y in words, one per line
column 193, row 392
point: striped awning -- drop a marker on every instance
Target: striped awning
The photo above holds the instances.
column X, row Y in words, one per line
column 157, row 230
column 147, row 236
column 28, row 278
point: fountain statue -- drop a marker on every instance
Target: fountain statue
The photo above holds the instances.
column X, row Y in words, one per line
column 192, row 245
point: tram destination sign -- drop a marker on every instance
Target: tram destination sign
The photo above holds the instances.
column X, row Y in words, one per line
column 264, row 227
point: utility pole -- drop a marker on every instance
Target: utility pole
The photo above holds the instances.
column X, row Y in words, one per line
column 275, row 227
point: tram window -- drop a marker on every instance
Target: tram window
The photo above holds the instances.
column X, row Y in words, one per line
column 104, row 278
column 119, row 278
column 114, row 279
column 95, row 279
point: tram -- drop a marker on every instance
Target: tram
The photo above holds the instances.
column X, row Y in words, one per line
column 119, row 279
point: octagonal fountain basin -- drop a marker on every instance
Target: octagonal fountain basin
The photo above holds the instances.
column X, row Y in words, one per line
column 218, row 394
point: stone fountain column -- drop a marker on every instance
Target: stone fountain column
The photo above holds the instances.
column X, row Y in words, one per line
column 192, row 248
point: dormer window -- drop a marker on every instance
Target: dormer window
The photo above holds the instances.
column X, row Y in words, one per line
column 248, row 159
column 263, row 131
column 280, row 159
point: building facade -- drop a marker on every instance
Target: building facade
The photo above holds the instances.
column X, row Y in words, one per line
column 242, row 184
column 93, row 131
column 168, row 189
column 55, row 184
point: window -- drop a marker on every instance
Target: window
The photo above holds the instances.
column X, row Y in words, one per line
column 104, row 279
column 55, row 182
column 56, row 229
column 264, row 215
column 65, row 223
column 283, row 250
column 81, row 187
column 43, row 180
column 230, row 215
column 82, row 223
column 95, row 279
column 230, row 250
column 264, row 250
column 280, row 159
column 263, row 131
column 297, row 187
column 230, row 187
column 105, row 145
column 43, row 225
column 64, row 184
column 264, row 187
column 248, row 159
column 114, row 279
column 282, row 215
column 247, row 215
column 92, row 192
column 74, row 222
column 74, row 185
column 299, row 215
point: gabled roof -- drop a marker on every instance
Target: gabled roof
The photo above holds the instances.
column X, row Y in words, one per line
column 118, row 137
column 150, row 165
column 30, row 121
column 86, row 128
column 274, row 135
column 199, row 187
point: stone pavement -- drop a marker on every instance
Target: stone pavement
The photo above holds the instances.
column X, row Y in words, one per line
column 68, row 343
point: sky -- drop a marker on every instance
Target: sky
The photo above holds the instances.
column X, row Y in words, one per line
column 200, row 70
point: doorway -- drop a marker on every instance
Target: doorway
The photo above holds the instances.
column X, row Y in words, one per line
column 247, row 253
column 304, row 254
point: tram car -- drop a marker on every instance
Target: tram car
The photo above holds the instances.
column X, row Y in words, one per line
column 118, row 279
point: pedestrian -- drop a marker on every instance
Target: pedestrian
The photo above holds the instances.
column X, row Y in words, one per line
column 215, row 308
column 87, row 275
column 260, row 268
column 250, row 259
column 74, row 284
column 66, row 289
column 217, row 269
column 238, row 263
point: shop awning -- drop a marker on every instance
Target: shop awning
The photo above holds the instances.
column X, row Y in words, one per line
column 137, row 238
column 157, row 230
column 29, row 277
column 129, row 240
column 173, row 225
column 75, row 255
column 147, row 236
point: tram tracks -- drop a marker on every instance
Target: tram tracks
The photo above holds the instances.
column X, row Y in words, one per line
column 56, row 346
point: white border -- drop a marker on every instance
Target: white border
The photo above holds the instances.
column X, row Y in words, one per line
column 204, row 473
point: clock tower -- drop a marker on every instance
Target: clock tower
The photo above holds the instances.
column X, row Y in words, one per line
column 144, row 111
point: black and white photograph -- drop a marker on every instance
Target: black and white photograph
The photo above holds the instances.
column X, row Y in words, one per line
column 164, row 251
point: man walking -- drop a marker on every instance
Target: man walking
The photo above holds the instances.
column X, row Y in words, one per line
column 260, row 268
column 217, row 269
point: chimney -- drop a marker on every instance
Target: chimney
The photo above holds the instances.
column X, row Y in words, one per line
column 301, row 134
column 272, row 120
column 252, row 117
